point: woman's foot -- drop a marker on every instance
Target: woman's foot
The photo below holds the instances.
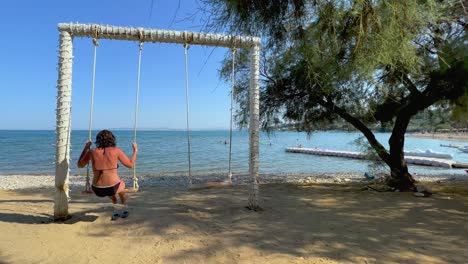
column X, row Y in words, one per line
column 115, row 216
column 124, row 214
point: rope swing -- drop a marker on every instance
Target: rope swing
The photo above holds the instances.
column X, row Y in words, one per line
column 140, row 46
column 186, row 46
column 233, row 79
column 135, row 177
column 96, row 44
column 209, row 184
column 94, row 32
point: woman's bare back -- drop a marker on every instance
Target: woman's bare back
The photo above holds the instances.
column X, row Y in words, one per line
column 105, row 163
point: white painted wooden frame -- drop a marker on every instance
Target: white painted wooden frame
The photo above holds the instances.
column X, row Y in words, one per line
column 64, row 91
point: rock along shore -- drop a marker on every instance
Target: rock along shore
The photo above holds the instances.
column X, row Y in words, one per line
column 77, row 183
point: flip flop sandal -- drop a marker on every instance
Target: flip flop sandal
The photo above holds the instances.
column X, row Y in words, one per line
column 124, row 214
column 115, row 216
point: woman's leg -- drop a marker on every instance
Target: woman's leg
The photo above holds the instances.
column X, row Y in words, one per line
column 113, row 198
column 123, row 198
column 121, row 193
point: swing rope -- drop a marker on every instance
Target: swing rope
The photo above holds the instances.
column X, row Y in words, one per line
column 135, row 178
column 96, row 44
column 234, row 51
column 186, row 46
column 233, row 79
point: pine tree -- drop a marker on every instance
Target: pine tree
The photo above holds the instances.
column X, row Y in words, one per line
column 365, row 61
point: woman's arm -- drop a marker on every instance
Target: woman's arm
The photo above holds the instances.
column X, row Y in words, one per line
column 85, row 155
column 129, row 163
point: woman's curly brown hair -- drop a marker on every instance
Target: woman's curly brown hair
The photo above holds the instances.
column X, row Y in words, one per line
column 105, row 139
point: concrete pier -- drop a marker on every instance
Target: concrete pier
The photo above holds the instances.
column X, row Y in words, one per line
column 424, row 161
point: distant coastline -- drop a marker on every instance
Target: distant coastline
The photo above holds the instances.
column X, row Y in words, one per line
column 125, row 129
column 455, row 136
column 461, row 136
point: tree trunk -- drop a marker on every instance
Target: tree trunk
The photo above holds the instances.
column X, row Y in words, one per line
column 379, row 149
column 401, row 179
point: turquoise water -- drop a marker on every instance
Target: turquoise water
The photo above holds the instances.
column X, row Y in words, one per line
column 165, row 152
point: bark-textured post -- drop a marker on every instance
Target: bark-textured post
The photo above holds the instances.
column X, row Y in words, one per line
column 254, row 105
column 62, row 152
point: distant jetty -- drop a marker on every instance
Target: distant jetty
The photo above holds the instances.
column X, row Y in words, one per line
column 424, row 161
column 452, row 146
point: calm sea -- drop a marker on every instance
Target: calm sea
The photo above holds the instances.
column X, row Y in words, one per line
column 165, row 152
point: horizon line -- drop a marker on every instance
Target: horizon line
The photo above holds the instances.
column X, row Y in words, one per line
column 124, row 129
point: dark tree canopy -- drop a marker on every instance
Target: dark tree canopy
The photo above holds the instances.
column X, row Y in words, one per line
column 365, row 61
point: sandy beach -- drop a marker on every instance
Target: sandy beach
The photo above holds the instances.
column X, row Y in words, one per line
column 310, row 223
column 447, row 136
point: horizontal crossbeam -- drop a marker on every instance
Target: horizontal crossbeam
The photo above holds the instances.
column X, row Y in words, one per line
column 156, row 35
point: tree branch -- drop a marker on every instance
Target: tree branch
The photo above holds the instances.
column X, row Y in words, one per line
column 410, row 85
column 381, row 151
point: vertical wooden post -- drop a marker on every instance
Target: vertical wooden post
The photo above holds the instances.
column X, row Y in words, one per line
column 254, row 124
column 63, row 127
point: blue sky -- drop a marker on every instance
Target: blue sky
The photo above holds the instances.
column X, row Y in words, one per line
column 28, row 67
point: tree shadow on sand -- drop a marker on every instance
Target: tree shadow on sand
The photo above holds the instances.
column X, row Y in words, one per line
column 333, row 222
column 340, row 223
column 46, row 218
column 32, row 210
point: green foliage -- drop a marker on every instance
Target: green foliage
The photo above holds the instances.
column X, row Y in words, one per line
column 459, row 111
column 368, row 62
column 370, row 58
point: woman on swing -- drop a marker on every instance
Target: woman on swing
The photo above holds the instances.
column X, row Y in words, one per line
column 105, row 158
